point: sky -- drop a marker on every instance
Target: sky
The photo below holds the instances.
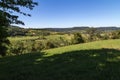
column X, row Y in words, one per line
column 73, row 13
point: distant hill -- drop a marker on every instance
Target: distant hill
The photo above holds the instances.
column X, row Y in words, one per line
column 69, row 29
column 108, row 28
column 66, row 29
column 16, row 30
column 81, row 28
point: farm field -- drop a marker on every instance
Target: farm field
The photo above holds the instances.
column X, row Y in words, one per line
column 99, row 60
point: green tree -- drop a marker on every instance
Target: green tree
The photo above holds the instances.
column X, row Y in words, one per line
column 7, row 17
column 92, row 33
column 78, row 38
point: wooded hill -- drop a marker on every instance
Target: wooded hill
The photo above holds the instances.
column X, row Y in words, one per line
column 18, row 31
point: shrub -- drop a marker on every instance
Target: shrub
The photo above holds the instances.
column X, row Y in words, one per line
column 49, row 45
column 78, row 38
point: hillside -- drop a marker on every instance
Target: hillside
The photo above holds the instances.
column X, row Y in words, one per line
column 18, row 31
column 80, row 28
column 98, row 60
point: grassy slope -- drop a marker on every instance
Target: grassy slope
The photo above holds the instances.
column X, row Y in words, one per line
column 112, row 44
column 98, row 60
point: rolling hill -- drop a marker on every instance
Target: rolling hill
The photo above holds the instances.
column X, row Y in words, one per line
column 98, row 60
column 18, row 31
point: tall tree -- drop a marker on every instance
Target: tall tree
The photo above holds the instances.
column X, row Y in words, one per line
column 7, row 17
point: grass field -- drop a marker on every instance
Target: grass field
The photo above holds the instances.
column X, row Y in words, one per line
column 50, row 37
column 98, row 60
column 22, row 38
column 105, row 44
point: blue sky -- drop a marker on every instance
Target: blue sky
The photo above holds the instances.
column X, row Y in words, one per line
column 70, row 13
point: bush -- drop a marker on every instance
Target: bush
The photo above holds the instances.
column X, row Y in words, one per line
column 49, row 45
column 78, row 38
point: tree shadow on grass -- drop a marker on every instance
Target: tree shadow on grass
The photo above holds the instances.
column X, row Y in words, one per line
column 100, row 64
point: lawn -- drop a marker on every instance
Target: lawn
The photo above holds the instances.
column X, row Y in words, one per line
column 98, row 60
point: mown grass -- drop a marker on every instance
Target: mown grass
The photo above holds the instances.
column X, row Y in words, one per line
column 98, row 60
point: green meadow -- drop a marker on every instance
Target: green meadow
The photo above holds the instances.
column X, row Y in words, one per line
column 99, row 60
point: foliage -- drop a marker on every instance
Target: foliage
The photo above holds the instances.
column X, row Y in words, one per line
column 3, row 41
column 78, row 38
column 7, row 17
column 8, row 7
column 92, row 33
column 115, row 35
column 3, row 34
